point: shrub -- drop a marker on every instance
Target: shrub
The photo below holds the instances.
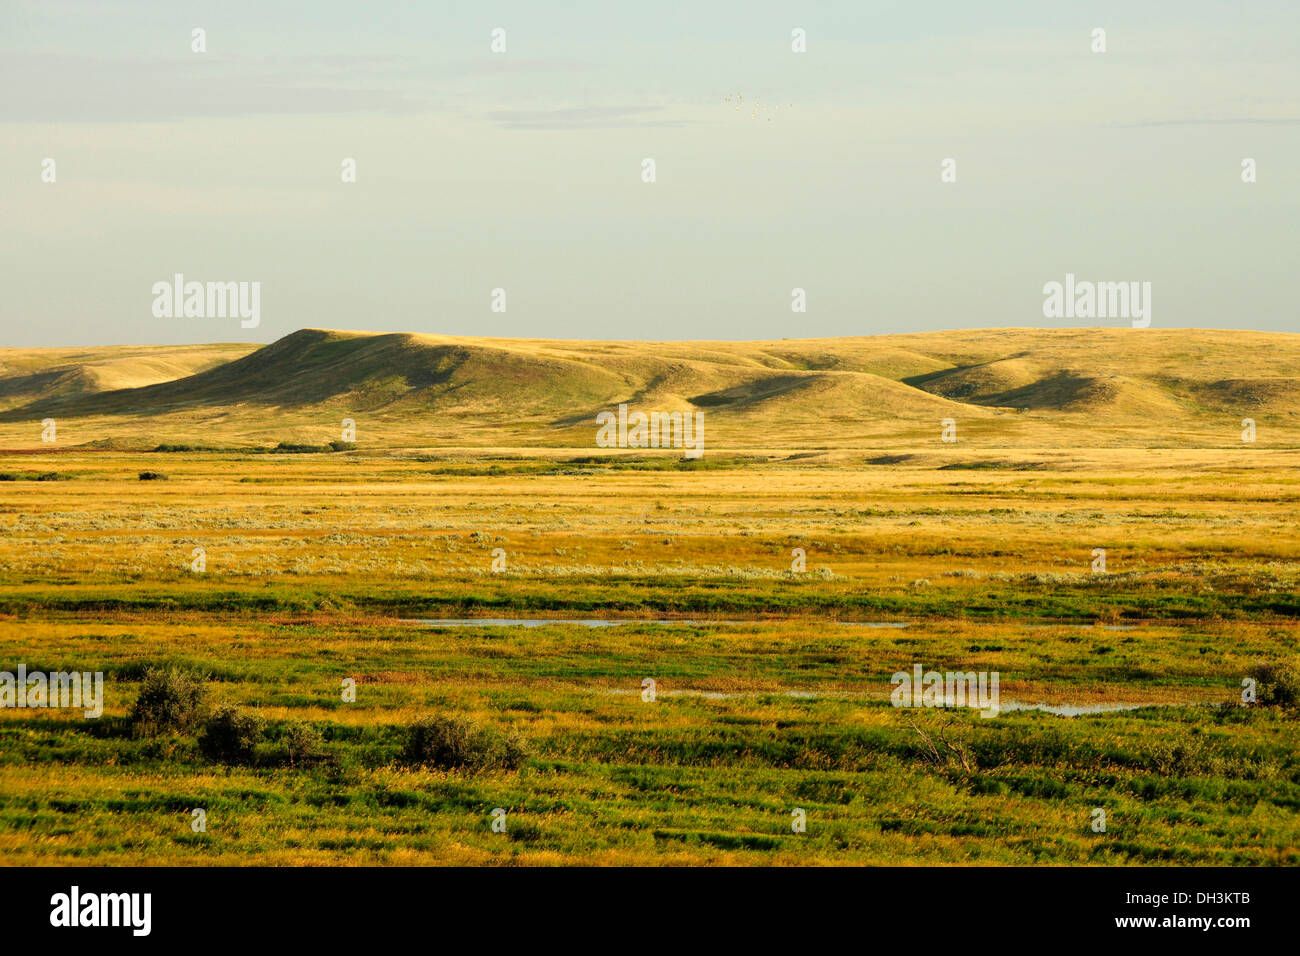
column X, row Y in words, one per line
column 451, row 742
column 170, row 701
column 1277, row 683
column 152, row 476
column 302, row 743
column 1182, row 758
column 231, row 735
column 299, row 448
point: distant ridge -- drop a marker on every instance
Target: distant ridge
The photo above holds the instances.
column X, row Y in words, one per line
column 1095, row 377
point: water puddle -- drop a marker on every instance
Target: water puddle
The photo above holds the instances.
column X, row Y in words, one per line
column 1058, row 710
column 731, row 695
column 1082, row 710
column 698, row 622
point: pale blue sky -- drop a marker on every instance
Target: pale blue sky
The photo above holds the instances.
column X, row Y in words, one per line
column 522, row 170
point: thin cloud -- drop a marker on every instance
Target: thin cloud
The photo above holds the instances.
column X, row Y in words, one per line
column 585, row 117
column 92, row 90
column 1231, row 121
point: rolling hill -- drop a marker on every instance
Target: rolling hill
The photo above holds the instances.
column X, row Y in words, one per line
column 1014, row 386
column 30, row 376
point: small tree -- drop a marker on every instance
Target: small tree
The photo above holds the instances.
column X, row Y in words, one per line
column 302, row 743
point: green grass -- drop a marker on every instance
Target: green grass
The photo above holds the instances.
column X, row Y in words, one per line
column 683, row 779
column 312, row 559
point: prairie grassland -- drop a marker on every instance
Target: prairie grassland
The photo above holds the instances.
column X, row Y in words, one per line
column 771, row 698
column 1186, row 534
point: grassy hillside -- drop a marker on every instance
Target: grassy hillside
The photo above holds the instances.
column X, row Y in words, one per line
column 42, row 376
column 1003, row 387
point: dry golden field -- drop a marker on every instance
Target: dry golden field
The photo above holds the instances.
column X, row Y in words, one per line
column 1121, row 690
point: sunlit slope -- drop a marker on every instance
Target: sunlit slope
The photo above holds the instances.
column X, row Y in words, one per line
column 40, row 375
column 1001, row 385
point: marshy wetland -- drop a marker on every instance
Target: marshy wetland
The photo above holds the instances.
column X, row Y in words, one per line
column 326, row 570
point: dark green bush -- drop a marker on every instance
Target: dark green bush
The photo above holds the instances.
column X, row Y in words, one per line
column 1277, row 683
column 171, row 700
column 152, row 476
column 231, row 735
column 452, row 742
column 299, row 448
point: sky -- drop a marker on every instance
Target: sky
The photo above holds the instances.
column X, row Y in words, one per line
column 523, row 170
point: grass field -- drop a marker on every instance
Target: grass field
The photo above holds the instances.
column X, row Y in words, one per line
column 771, row 697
